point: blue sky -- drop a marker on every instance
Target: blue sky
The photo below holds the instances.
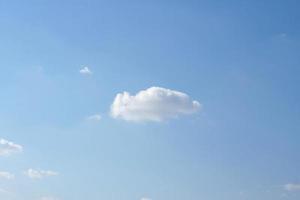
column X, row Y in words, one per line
column 177, row 100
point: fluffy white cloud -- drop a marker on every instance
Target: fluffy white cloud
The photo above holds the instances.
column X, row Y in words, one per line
column 39, row 174
column 153, row 104
column 86, row 71
column 95, row 117
column 7, row 148
column 6, row 175
column 292, row 187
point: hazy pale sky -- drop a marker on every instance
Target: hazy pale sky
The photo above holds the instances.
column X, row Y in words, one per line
column 149, row 100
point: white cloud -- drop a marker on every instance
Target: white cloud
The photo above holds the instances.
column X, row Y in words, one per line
column 95, row 117
column 292, row 187
column 85, row 71
column 39, row 174
column 7, row 148
column 6, row 175
column 153, row 104
column 48, row 198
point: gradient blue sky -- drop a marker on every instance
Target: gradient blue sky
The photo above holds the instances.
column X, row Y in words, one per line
column 239, row 59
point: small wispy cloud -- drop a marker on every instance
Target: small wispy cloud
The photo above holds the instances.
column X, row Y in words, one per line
column 85, row 71
column 292, row 187
column 7, row 148
column 145, row 198
column 6, row 194
column 49, row 198
column 39, row 174
column 6, row 175
column 95, row 117
column 282, row 35
column 4, row 191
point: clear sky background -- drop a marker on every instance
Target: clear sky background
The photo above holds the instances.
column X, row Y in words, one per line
column 239, row 59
